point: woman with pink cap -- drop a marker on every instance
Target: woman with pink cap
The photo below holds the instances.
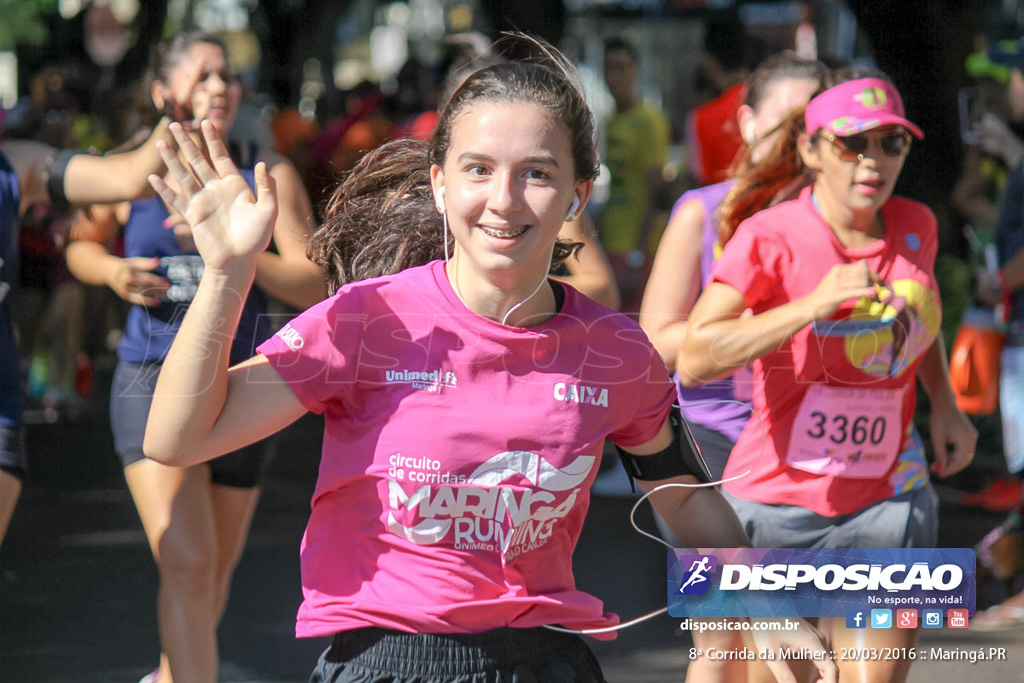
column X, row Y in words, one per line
column 832, row 295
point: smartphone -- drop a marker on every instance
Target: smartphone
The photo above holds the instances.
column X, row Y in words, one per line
column 971, row 110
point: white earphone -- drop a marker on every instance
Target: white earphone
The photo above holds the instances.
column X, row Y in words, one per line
column 440, row 200
column 572, row 208
column 749, row 133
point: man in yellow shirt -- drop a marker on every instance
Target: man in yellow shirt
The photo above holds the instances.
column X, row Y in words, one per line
column 636, row 150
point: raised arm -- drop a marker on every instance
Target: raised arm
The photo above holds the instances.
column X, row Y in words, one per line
column 46, row 173
column 200, row 409
column 117, row 177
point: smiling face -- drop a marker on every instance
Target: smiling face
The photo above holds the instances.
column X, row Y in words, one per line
column 203, row 84
column 505, row 185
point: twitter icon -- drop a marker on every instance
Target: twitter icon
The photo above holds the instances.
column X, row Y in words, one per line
column 881, row 618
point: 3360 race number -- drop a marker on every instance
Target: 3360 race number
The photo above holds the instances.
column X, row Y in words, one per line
column 840, row 429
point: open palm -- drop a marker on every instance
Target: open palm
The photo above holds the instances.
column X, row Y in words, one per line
column 229, row 224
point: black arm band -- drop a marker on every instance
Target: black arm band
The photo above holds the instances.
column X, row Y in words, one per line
column 55, row 170
column 682, row 456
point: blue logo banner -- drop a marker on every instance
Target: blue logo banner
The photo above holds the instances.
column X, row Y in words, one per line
column 858, row 584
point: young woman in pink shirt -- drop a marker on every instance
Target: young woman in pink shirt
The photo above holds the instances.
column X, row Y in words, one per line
column 466, row 401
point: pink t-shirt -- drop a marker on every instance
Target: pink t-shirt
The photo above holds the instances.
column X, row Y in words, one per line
column 845, row 386
column 458, row 453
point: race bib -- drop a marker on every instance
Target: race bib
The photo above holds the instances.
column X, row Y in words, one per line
column 847, row 432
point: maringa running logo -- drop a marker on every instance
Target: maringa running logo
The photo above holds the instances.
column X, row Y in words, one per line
column 484, row 514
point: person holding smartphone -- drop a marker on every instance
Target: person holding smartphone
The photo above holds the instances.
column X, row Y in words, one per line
column 196, row 519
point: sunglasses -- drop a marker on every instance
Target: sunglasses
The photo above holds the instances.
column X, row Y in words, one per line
column 853, row 147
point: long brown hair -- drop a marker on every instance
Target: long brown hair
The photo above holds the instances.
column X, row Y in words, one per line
column 779, row 175
column 780, row 169
column 382, row 219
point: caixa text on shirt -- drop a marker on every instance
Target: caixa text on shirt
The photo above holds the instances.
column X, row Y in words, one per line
column 581, row 393
column 807, row 582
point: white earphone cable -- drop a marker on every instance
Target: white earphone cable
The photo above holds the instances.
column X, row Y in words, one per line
column 632, row 520
column 454, row 276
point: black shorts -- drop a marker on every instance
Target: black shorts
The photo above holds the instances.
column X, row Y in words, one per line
column 505, row 655
column 12, row 450
column 131, row 396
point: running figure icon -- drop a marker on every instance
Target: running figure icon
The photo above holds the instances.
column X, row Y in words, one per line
column 697, row 570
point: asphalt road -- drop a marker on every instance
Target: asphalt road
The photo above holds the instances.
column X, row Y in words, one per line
column 78, row 586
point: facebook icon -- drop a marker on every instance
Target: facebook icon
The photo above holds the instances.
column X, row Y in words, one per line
column 855, row 618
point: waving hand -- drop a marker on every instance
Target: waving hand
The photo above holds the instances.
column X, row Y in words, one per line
column 230, row 225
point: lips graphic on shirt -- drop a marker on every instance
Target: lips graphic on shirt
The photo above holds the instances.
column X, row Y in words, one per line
column 497, row 469
column 534, row 469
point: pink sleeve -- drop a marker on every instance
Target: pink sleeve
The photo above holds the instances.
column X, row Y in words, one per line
column 317, row 352
column 749, row 263
column 654, row 398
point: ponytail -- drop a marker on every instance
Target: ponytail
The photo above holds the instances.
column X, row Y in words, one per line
column 778, row 176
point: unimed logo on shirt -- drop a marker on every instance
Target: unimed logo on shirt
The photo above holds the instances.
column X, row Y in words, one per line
column 431, row 380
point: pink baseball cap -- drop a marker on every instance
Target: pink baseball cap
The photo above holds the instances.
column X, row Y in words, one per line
column 857, row 106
